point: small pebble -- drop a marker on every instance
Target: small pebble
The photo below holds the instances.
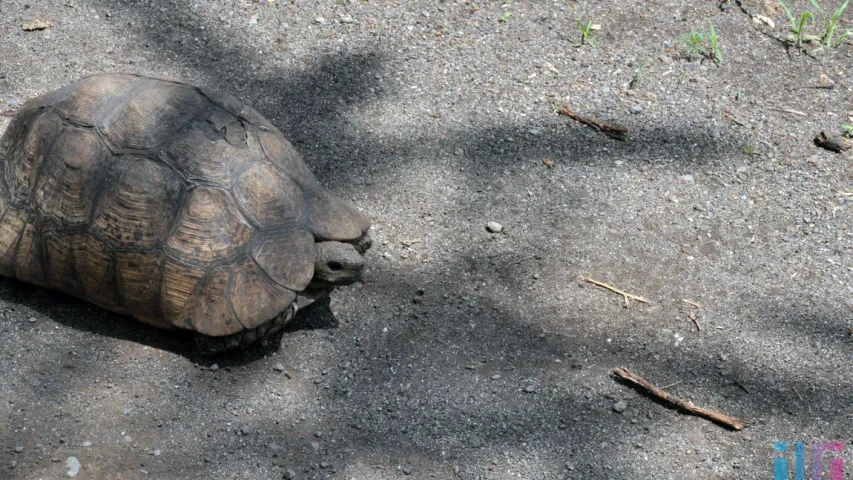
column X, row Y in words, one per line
column 19, row 449
column 128, row 439
column 289, row 474
column 278, row 367
column 320, row 20
column 214, row 367
column 73, row 466
column 157, row 452
column 620, row 406
column 685, row 178
column 636, row 109
column 87, row 444
column 494, row 227
column 530, row 388
column 496, row 376
column 408, row 470
column 32, row 319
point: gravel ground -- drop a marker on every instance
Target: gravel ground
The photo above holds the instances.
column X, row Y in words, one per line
column 466, row 353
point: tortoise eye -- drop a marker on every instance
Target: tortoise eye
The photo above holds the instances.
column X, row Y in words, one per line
column 335, row 266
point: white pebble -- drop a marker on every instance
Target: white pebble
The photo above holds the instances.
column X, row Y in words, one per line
column 73, row 466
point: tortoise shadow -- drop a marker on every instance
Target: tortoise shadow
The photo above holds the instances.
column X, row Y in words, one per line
column 81, row 315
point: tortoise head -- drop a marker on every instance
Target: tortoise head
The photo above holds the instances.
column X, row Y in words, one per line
column 339, row 263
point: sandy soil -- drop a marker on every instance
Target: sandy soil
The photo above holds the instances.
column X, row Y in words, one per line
column 470, row 354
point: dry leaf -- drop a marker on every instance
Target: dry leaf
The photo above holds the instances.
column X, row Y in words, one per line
column 36, row 25
column 549, row 163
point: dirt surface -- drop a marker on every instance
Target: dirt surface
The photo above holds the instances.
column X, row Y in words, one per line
column 470, row 354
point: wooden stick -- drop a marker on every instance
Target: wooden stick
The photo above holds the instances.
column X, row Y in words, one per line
column 691, row 302
column 616, row 290
column 717, row 417
column 788, row 110
column 612, row 130
column 695, row 321
column 521, row 260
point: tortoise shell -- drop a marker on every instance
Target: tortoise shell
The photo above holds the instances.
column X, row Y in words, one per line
column 176, row 205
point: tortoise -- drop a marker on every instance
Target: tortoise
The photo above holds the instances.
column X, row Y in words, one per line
column 173, row 204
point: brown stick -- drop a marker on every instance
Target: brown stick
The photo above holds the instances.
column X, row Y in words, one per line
column 717, row 417
column 625, row 295
column 695, row 321
column 612, row 130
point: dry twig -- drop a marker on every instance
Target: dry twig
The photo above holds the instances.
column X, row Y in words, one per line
column 516, row 262
column 788, row 110
column 612, row 130
column 36, row 25
column 691, row 302
column 695, row 321
column 626, row 295
column 658, row 393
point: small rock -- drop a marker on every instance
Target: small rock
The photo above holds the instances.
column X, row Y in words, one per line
column 126, row 410
column 87, row 444
column 320, row 20
column 278, row 367
column 19, row 449
column 496, row 376
column 347, row 19
column 723, row 357
column 534, row 132
column 214, row 367
column 289, row 474
column 32, row 319
column 157, row 452
column 73, row 466
column 530, row 388
column 128, row 439
column 318, row 434
column 408, row 470
column 494, row 227
column 636, row 109
column 620, row 406
column 685, row 178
